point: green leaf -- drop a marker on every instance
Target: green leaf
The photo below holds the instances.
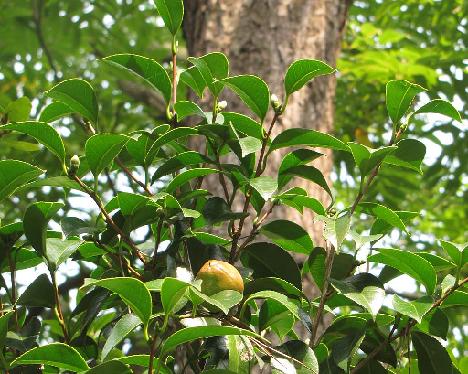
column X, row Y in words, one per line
column 122, row 328
column 148, row 69
column 302, row 71
column 217, row 210
column 101, row 149
column 39, row 293
column 223, row 300
column 58, row 250
column 172, row 12
column 212, row 67
column 432, row 356
column 415, row 309
column 244, row 124
column 253, row 91
column 57, row 355
column 439, row 263
column 43, row 133
column 266, row 186
column 364, row 289
column 129, row 203
column 302, row 353
column 111, row 367
column 192, row 333
column 277, row 316
column 187, row 108
column 368, row 158
column 54, row 111
column 188, row 175
column 167, row 137
column 283, row 299
column 78, row 95
column 336, row 229
column 409, row 154
column 192, row 78
column 18, row 110
column 143, row 360
column 441, row 107
column 300, row 201
column 384, row 213
column 132, row 291
column 400, row 95
column 408, row 263
column 457, row 252
column 4, row 319
column 172, row 291
column 35, row 222
column 288, row 235
column 435, row 323
column 310, row 173
column 14, row 174
column 296, row 158
column 269, row 260
column 312, row 138
column 249, row 145
column 272, row 284
column 456, row 298
column 60, row 181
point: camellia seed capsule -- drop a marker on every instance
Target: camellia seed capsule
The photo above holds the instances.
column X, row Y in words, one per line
column 217, row 276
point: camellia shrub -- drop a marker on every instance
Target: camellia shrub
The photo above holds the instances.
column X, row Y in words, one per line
column 213, row 287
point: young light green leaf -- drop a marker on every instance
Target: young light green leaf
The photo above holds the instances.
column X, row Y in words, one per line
column 122, row 328
column 302, row 71
column 335, row 229
column 78, row 95
column 172, row 292
column 415, row 309
column 244, row 124
column 58, row 250
column 101, row 149
column 441, row 107
column 54, row 111
column 409, row 154
column 457, row 252
column 43, row 133
column 14, row 174
column 193, row 78
column 18, row 110
column 187, row 108
column 253, row 91
column 266, row 186
column 312, row 138
column 35, row 222
column 223, row 300
column 249, row 145
column 432, row 356
column 439, row 263
column 368, row 158
column 132, row 291
column 212, row 67
column 400, row 95
column 172, row 12
column 408, row 263
column 57, row 355
column 288, row 235
column 192, row 333
column 150, row 70
column 188, row 175
column 384, row 213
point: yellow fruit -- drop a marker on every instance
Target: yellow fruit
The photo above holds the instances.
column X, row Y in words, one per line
column 217, row 276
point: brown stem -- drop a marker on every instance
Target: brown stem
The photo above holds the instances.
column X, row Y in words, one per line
column 318, row 316
column 58, row 308
column 108, row 218
column 158, row 239
column 132, row 177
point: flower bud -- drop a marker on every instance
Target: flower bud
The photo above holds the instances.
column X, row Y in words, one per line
column 275, row 102
column 74, row 165
column 222, row 105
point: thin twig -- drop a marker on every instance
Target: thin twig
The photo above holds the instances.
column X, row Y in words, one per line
column 132, row 177
column 58, row 308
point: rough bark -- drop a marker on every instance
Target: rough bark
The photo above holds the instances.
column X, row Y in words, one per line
column 264, row 37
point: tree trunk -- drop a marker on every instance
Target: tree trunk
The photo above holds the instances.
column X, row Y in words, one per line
column 263, row 37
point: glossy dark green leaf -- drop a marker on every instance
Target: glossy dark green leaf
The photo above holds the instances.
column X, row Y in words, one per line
column 312, row 138
column 292, row 159
column 223, row 300
column 409, row 154
column 310, row 173
column 293, row 307
column 440, row 107
column 288, row 235
column 148, row 69
column 187, row 176
column 415, row 309
column 456, row 298
column 368, row 158
column 169, row 136
column 57, row 355
column 172, row 12
column 132, row 291
column 4, row 319
column 364, row 289
column 35, row 222
column 272, row 284
column 244, row 124
column 192, row 333
column 110, row 367
column 172, row 291
column 78, row 95
column 14, row 174
column 39, row 293
column 273, row 314
column 212, row 67
column 61, row 181
column 43, row 133
column 187, row 108
column 253, row 91
column 269, row 260
column 408, row 263
column 384, row 213
column 438, row 263
column 302, row 71
column 217, row 210
column 299, row 202
column 101, row 149
column 400, row 95
column 192, row 78
column 435, row 323
column 122, row 328
column 432, row 356
column 54, row 111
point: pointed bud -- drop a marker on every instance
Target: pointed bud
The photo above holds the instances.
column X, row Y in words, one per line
column 222, row 105
column 275, row 103
column 74, row 165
